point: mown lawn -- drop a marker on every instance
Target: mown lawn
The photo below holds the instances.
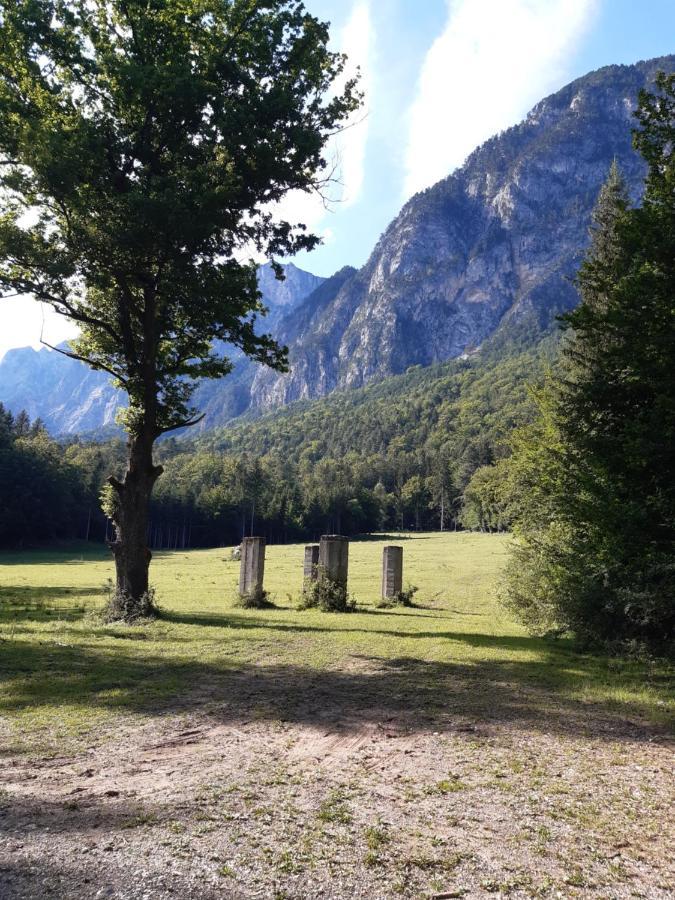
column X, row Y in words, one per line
column 66, row 677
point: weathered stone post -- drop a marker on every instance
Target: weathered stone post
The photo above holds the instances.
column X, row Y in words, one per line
column 252, row 569
column 392, row 573
column 311, row 567
column 334, row 558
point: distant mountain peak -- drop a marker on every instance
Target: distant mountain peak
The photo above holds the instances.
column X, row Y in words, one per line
column 71, row 398
column 487, row 252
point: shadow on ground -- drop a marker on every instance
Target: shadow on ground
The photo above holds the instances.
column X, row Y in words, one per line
column 101, row 824
column 416, row 694
column 26, row 603
column 74, row 556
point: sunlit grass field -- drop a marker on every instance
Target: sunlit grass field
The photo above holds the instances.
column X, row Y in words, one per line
column 67, row 677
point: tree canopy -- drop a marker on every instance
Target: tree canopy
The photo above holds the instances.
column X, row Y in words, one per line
column 143, row 145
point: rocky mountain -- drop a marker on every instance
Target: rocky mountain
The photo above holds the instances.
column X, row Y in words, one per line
column 490, row 249
column 72, row 399
column 69, row 397
column 487, row 253
column 282, row 297
column 228, row 398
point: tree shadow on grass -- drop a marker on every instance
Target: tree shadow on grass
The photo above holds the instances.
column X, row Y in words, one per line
column 259, row 623
column 44, row 604
column 421, row 613
column 72, row 557
column 234, row 621
column 29, row 594
column 535, row 693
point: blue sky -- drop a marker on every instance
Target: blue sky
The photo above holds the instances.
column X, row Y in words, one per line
column 440, row 77
column 430, row 101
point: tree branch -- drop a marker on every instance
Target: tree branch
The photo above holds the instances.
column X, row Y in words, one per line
column 188, row 423
column 115, row 483
column 29, row 287
column 77, row 316
column 89, row 362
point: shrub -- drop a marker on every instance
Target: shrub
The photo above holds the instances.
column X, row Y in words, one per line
column 403, row 598
column 259, row 600
column 120, row 607
column 326, row 595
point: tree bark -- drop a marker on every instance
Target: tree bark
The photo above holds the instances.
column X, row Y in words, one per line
column 130, row 547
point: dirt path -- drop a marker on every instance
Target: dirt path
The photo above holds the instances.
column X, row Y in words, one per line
column 357, row 800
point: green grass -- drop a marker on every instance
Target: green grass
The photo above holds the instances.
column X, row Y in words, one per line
column 65, row 676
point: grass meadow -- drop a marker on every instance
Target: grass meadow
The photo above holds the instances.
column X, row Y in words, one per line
column 425, row 752
column 66, row 676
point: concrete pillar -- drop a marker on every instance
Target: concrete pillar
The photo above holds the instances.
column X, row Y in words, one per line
column 310, row 570
column 252, row 567
column 392, row 572
column 334, row 558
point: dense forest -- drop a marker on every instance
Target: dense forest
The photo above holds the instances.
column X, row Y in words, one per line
column 397, row 454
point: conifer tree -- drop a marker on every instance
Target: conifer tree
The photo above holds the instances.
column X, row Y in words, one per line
column 594, row 479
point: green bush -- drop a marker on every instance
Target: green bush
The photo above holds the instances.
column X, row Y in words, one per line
column 403, row 598
column 259, row 600
column 326, row 595
column 120, row 607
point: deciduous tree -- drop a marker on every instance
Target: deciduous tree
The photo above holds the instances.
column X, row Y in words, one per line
column 142, row 146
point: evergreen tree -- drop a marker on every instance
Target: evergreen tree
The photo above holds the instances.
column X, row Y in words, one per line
column 22, row 426
column 6, row 426
column 597, row 535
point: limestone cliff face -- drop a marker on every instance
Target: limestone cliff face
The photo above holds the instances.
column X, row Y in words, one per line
column 312, row 331
column 489, row 251
column 229, row 397
column 282, row 297
column 72, row 399
column 490, row 248
column 64, row 393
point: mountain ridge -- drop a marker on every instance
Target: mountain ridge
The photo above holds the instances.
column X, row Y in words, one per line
column 71, row 398
column 487, row 252
column 494, row 244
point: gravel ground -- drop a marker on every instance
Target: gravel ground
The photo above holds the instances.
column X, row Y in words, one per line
column 358, row 799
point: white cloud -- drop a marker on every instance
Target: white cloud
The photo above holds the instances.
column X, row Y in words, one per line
column 346, row 151
column 493, row 61
column 357, row 42
column 23, row 321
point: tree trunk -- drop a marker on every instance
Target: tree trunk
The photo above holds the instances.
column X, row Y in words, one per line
column 130, row 547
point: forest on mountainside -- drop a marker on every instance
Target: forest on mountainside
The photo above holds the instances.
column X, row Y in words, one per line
column 396, row 454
